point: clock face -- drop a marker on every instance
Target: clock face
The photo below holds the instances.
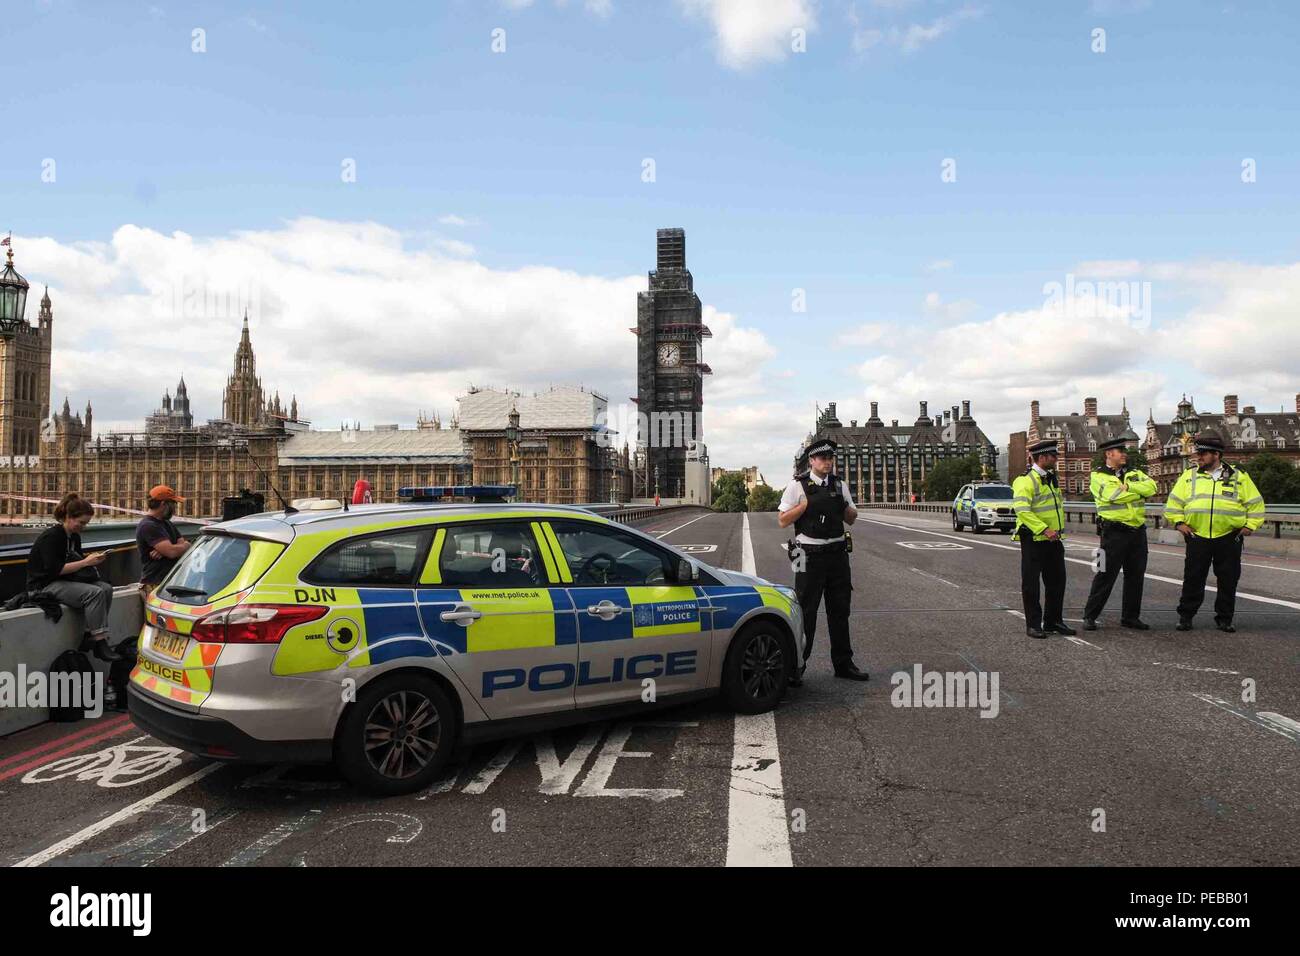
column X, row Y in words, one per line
column 670, row 354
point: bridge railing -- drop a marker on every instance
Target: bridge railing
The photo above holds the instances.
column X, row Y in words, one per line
column 1278, row 520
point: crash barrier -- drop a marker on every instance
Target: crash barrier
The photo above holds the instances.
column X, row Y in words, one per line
column 637, row 515
column 1279, row 520
column 29, row 643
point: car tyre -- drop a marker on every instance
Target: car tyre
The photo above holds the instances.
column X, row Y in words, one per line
column 956, row 525
column 757, row 668
column 398, row 735
column 975, row 524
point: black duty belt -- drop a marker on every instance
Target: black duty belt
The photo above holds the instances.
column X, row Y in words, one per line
column 1121, row 526
column 829, row 546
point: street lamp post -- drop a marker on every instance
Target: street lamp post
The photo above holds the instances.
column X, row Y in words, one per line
column 512, row 443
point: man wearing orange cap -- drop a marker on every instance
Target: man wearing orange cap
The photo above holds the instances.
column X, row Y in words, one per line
column 159, row 542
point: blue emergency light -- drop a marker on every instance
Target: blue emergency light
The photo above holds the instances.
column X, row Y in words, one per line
column 479, row 494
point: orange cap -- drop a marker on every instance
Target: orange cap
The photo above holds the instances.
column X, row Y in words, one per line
column 164, row 493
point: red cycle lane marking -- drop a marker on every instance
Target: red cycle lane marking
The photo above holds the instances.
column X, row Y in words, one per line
column 79, row 745
column 94, row 728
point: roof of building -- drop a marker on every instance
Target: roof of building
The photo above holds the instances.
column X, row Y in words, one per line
column 563, row 406
column 1080, row 430
column 1269, row 427
column 374, row 447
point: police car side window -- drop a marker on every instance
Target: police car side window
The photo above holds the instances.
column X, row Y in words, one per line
column 491, row 554
column 376, row 560
column 600, row 556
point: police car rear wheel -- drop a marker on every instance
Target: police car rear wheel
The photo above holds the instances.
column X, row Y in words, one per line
column 398, row 735
column 755, row 673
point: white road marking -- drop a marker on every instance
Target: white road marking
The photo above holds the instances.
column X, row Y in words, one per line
column 272, row 838
column 1190, row 667
column 757, row 832
column 1154, row 577
column 1019, row 614
column 665, row 534
column 1283, row 726
column 747, row 565
column 144, row 803
column 927, row 574
column 1079, row 640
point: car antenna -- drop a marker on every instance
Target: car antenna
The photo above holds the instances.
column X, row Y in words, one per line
column 288, row 508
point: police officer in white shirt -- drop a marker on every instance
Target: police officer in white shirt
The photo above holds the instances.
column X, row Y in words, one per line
column 819, row 506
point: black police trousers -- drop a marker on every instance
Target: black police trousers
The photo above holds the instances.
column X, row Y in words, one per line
column 1046, row 560
column 826, row 574
column 1224, row 554
column 1123, row 548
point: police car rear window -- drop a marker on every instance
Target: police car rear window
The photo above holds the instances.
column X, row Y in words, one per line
column 381, row 560
column 206, row 569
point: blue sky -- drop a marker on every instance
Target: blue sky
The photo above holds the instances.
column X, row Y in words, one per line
column 816, row 170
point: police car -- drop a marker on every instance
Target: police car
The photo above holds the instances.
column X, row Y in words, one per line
column 380, row 638
column 984, row 505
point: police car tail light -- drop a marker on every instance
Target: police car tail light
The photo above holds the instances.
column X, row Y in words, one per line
column 254, row 623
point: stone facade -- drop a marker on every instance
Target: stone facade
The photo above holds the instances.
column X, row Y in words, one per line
column 889, row 463
column 1077, row 436
column 24, row 367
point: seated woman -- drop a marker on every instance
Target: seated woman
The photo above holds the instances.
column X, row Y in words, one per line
column 58, row 567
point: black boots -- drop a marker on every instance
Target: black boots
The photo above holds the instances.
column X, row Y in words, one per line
column 99, row 648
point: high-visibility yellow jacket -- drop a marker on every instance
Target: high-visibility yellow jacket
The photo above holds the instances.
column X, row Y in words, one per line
column 1122, row 501
column 1215, row 508
column 1037, row 505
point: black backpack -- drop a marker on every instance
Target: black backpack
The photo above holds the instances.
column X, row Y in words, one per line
column 70, row 662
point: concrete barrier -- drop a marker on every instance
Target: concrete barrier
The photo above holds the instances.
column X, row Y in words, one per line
column 30, row 639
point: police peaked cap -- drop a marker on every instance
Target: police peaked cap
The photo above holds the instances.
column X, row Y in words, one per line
column 823, row 446
column 1123, row 441
column 1209, row 441
column 1045, row 447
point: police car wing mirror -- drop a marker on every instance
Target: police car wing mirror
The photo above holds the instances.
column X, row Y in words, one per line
column 686, row 572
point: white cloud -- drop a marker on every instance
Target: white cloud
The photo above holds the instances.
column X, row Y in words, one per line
column 905, row 37
column 345, row 315
column 940, row 265
column 750, row 32
column 867, row 334
column 946, row 311
column 451, row 219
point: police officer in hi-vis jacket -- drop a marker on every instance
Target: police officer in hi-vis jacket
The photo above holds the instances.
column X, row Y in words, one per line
column 1121, row 493
column 1040, row 518
column 1216, row 507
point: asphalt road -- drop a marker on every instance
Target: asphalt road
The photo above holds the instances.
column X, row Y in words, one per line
column 1118, row 748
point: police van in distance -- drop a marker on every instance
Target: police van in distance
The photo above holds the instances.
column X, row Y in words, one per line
column 380, row 638
column 984, row 505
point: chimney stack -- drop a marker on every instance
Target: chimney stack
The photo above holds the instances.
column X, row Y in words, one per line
column 1090, row 410
column 875, row 409
column 924, row 406
column 1033, row 411
column 965, row 409
column 1230, row 405
column 894, row 423
column 1297, row 403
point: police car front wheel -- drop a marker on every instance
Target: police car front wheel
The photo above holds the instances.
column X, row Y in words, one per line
column 397, row 736
column 756, row 670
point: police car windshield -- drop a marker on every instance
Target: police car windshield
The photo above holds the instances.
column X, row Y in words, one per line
column 999, row 492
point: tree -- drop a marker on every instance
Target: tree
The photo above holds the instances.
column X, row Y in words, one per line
column 1278, row 482
column 764, row 498
column 945, row 479
column 729, row 493
column 1137, row 458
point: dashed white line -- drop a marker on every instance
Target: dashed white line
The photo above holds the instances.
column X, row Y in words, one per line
column 665, row 534
column 927, row 574
column 757, row 832
column 1191, row 667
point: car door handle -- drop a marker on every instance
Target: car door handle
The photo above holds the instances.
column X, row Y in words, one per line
column 605, row 610
column 463, row 615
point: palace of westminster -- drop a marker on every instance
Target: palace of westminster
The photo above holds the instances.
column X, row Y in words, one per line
column 553, row 444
